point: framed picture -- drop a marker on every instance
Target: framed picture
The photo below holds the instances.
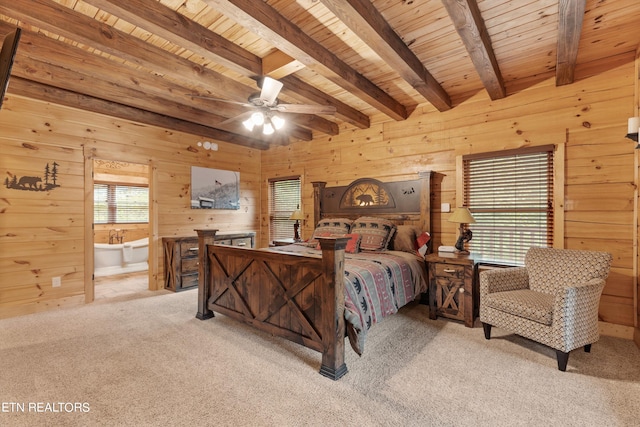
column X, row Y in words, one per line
column 214, row 188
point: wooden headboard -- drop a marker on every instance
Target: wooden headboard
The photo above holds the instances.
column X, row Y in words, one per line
column 403, row 202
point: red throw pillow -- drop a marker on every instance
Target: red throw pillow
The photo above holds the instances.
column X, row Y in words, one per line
column 422, row 241
column 353, row 245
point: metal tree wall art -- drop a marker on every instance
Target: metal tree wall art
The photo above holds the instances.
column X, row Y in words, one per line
column 47, row 182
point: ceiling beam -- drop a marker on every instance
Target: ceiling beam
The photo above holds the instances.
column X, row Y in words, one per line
column 61, row 65
column 72, row 25
column 370, row 26
column 75, row 26
column 311, row 121
column 570, row 17
column 263, row 20
column 469, row 24
column 174, row 27
column 278, row 64
column 31, row 89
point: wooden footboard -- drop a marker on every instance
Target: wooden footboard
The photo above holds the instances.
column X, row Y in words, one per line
column 292, row 296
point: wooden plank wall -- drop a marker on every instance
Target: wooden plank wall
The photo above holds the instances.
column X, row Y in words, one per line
column 589, row 117
column 43, row 234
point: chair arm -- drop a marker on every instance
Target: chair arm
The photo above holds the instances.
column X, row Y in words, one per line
column 575, row 314
column 503, row 279
column 580, row 294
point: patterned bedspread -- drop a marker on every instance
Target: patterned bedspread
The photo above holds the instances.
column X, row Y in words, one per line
column 377, row 284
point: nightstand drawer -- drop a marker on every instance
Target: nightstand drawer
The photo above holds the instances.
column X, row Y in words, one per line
column 190, row 265
column 244, row 242
column 188, row 281
column 189, row 249
column 448, row 270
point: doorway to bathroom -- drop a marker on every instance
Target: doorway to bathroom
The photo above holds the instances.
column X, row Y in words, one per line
column 121, row 229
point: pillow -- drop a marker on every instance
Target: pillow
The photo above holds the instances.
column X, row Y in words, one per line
column 404, row 239
column 313, row 241
column 422, row 242
column 376, row 232
column 332, row 226
column 353, row 245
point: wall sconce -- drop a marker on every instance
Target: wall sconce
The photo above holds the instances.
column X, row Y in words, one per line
column 462, row 216
column 632, row 130
column 297, row 215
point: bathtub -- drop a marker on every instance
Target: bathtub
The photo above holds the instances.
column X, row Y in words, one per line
column 122, row 258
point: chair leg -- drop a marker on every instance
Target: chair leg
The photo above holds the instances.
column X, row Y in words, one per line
column 587, row 348
column 487, row 330
column 563, row 358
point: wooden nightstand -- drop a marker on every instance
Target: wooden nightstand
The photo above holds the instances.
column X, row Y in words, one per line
column 452, row 286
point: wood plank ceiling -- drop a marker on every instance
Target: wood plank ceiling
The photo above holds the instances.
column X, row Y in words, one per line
column 150, row 61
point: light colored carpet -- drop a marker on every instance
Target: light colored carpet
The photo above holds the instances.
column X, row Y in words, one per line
column 149, row 361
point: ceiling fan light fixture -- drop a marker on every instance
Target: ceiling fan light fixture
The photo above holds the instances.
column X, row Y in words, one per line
column 267, row 129
column 257, row 118
column 278, row 122
column 248, row 124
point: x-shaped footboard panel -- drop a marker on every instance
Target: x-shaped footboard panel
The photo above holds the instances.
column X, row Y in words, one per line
column 229, row 284
column 284, row 294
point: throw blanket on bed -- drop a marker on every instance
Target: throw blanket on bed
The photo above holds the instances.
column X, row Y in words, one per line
column 377, row 284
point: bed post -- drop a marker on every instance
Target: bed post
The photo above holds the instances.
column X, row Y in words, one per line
column 331, row 297
column 205, row 237
column 318, row 188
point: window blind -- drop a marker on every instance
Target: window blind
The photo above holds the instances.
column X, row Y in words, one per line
column 120, row 204
column 284, row 198
column 511, row 198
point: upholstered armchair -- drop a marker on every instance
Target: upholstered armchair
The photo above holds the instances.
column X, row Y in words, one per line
column 553, row 299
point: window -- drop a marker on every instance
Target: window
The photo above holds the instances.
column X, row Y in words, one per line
column 284, row 198
column 119, row 204
column 510, row 195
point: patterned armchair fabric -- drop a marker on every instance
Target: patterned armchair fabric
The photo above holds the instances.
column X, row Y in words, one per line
column 553, row 299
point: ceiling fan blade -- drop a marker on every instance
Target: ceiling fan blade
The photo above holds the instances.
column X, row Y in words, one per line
column 305, row 109
column 270, row 90
column 228, row 101
column 237, row 118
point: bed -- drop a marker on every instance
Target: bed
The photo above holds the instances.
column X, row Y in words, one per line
column 361, row 265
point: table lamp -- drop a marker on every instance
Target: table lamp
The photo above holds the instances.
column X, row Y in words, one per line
column 462, row 216
column 297, row 215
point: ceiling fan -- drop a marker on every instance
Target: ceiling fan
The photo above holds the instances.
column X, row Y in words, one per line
column 265, row 106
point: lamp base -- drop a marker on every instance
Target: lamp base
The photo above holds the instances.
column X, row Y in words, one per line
column 633, row 137
column 465, row 236
column 296, row 236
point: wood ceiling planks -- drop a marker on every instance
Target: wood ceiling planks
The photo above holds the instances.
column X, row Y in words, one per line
column 363, row 79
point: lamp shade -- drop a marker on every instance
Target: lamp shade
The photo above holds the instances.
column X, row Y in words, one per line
column 297, row 214
column 462, row 216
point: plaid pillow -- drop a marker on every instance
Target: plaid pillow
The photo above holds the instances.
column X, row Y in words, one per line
column 376, row 232
column 332, row 226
